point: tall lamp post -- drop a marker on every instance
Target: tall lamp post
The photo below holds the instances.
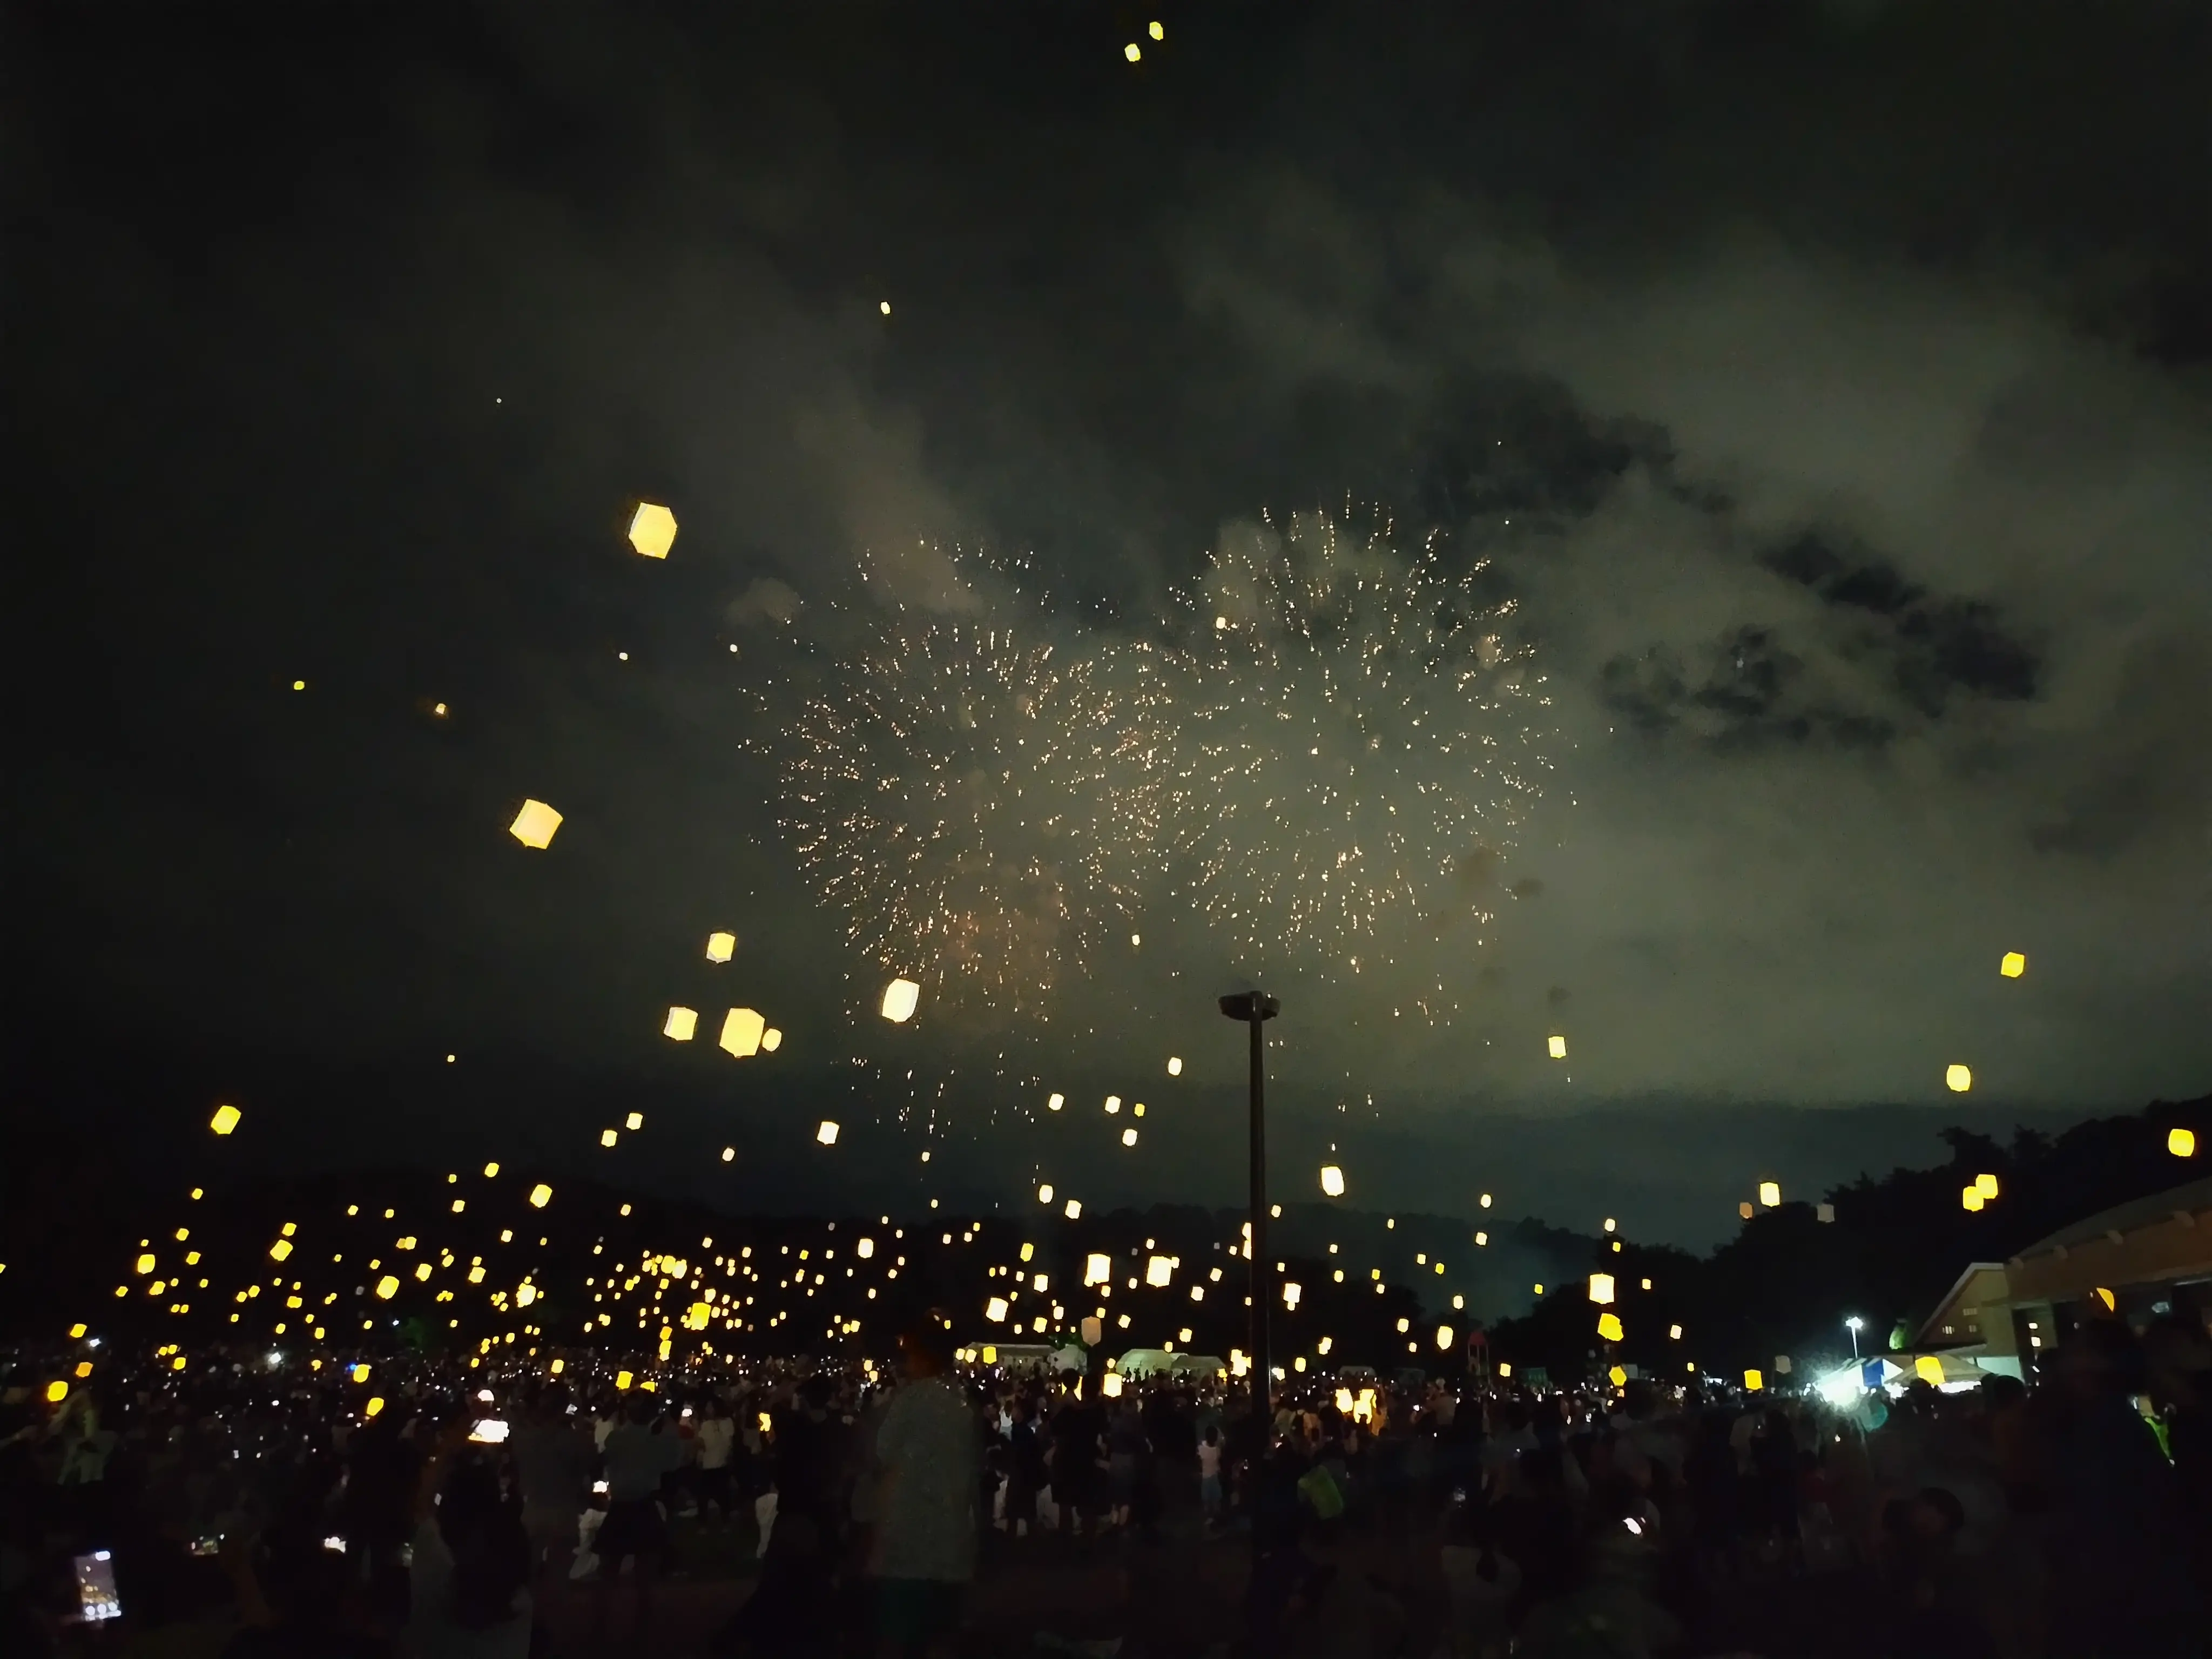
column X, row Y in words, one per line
column 1255, row 1008
column 1853, row 1325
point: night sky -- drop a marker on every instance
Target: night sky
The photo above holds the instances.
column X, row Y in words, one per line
column 1819, row 387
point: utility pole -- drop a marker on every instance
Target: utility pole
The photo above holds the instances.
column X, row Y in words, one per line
column 1255, row 1008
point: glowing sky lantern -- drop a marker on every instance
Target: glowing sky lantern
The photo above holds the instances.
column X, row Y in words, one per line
column 1824, row 1213
column 1986, row 1185
column 387, row 1288
column 1930, row 1369
column 771, row 1040
column 1770, row 1193
column 1156, row 31
column 1608, row 1326
column 1332, row 1180
column 1601, row 1288
column 607, row 1137
column 2014, row 965
column 280, row 1249
column 1744, row 1209
column 1056, row 1103
column 540, row 1196
column 633, row 1122
column 534, row 825
column 995, row 1310
column 1073, row 1209
column 652, row 530
column 720, row 946
column 2181, row 1143
column 1160, row 1270
column 1128, row 1136
column 1485, row 1201
column 1044, row 1196
column 1971, row 1198
column 901, row 998
column 1557, row 1045
column 1098, row 1269
column 1958, row 1079
column 865, row 1248
column 1292, row 1292
column 1133, row 51
column 490, row 1170
column 1752, row 1381
column 375, row 1405
column 1675, row 1332
column 225, row 1120
column 742, row 1030
column 359, row 1373
column 144, row 1264
column 826, row 1132
column 1175, row 1066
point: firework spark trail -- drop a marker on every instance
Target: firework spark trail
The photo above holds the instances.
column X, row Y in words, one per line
column 1359, row 743
column 982, row 808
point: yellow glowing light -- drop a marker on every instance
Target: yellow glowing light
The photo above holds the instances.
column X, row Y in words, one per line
column 652, row 530
column 2111, row 1303
column 360, row 1372
column 540, row 1196
column 1156, row 31
column 1986, row 1185
column 1056, row 1103
column 387, row 1288
column 720, row 946
column 1113, row 1104
column 534, row 825
column 771, row 1040
column 901, row 998
column 1608, row 1326
column 1930, row 1369
column 681, row 1024
column 1128, row 1136
column 1098, row 1269
column 1133, row 51
column 1504, row 1370
column 1958, row 1079
column 826, row 1132
column 622, row 1381
column 1770, row 1193
column 1601, row 1288
column 884, row 306
column 1044, row 1196
column 607, row 1137
column 729, row 1154
column 1752, row 1381
column 2181, row 1143
column 1073, row 1211
column 144, row 1264
column 995, row 1310
column 1971, row 1198
column 1175, row 1066
column 280, row 1249
column 56, row 1392
column 742, row 1030
column 1557, row 1046
column 1444, row 1336
column 1675, row 1332
column 2014, row 965
column 635, row 1122
column 1332, row 1180
column 225, row 1120
column 1744, row 1209
column 490, row 1170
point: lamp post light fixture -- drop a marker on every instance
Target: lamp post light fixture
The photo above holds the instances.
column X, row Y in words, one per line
column 1853, row 1325
column 1255, row 1008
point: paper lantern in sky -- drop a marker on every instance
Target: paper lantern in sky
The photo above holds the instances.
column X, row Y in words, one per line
column 1782, row 1364
column 375, row 1405
column 1986, row 1185
column 1175, row 1066
column 2014, row 965
column 1675, row 1332
column 1044, row 1196
column 1160, row 1270
column 1133, row 51
column 1098, row 1269
column 1824, row 1213
column 1332, row 1180
column 652, row 530
column 1073, row 1211
column 1958, row 1079
column 771, row 1040
column 2181, row 1143
column 826, row 1132
column 1444, row 1336
column 1608, row 1326
column 225, row 1120
column 720, row 946
column 901, row 998
column 742, row 1030
column 534, row 825
column 387, row 1288
column 995, row 1310
column 360, row 1372
column 2111, row 1303
column 607, row 1137
column 144, row 1264
column 540, row 1196
column 1601, row 1288
column 1930, row 1369
column 1752, row 1381
column 280, row 1249
column 1744, row 1209
column 633, row 1122
column 1770, row 1193
column 1156, row 31
column 1557, row 1045
column 1113, row 1104
column 1292, row 1292
column 865, row 1248
column 1971, row 1198
column 1055, row 1103
column 1128, row 1136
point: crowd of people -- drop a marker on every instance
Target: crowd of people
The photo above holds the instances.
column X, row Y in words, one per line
column 260, row 1504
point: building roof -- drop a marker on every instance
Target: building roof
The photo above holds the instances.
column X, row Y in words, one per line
column 2124, row 1218
column 1931, row 1328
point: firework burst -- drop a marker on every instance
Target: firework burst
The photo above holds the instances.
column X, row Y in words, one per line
column 1359, row 743
column 981, row 807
